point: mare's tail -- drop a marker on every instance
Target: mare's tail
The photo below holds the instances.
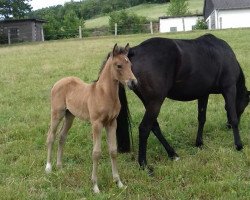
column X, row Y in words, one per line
column 123, row 123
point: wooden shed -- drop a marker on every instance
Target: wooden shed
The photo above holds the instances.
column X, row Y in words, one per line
column 227, row 14
column 21, row 30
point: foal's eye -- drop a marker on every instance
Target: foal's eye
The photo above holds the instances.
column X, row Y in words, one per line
column 119, row 66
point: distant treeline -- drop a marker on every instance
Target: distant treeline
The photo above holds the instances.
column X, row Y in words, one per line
column 63, row 21
column 90, row 8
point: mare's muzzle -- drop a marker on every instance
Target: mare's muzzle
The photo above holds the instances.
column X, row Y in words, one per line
column 131, row 83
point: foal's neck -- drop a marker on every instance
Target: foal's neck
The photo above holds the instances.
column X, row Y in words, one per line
column 107, row 82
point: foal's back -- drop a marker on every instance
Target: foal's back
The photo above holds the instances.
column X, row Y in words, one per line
column 71, row 93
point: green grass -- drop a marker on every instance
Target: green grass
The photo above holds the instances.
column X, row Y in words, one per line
column 27, row 73
column 150, row 11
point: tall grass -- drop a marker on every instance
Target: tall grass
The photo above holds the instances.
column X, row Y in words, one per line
column 27, row 73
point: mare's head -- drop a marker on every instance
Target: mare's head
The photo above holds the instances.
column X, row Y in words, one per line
column 242, row 103
column 121, row 66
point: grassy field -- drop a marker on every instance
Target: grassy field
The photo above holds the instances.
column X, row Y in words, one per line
column 27, row 73
column 150, row 11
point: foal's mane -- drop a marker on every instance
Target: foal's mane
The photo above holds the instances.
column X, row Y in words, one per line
column 120, row 50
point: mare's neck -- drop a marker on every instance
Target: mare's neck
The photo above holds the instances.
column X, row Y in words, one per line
column 107, row 82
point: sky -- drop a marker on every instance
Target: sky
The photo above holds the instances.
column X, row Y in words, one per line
column 37, row 4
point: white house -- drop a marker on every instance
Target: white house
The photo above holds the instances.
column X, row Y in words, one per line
column 222, row 14
column 180, row 23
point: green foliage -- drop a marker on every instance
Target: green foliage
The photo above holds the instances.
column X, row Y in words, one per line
column 178, row 8
column 14, row 9
column 127, row 22
column 200, row 24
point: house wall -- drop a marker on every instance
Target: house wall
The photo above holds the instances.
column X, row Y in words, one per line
column 181, row 24
column 233, row 18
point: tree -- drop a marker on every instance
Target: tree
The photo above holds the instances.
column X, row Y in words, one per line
column 178, row 8
column 127, row 22
column 200, row 24
column 14, row 8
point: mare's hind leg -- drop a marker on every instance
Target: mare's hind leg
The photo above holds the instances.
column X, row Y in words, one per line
column 111, row 132
column 68, row 120
column 230, row 98
column 202, row 109
column 56, row 117
column 157, row 132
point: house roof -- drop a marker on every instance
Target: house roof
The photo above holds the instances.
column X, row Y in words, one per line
column 22, row 20
column 211, row 5
column 184, row 16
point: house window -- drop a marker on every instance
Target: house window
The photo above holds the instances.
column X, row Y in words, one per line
column 173, row 29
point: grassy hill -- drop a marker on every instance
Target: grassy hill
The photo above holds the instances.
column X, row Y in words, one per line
column 27, row 74
column 151, row 11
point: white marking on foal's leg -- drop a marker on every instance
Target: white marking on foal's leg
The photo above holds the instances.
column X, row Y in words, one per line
column 96, row 189
column 119, row 184
column 48, row 168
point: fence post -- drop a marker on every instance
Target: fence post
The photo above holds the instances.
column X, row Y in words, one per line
column 9, row 42
column 42, row 34
column 151, row 28
column 115, row 29
column 80, row 32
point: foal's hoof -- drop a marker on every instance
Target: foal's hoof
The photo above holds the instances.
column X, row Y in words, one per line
column 239, row 147
column 48, row 168
column 96, row 189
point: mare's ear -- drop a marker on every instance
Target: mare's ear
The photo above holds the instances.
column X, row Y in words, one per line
column 115, row 50
column 127, row 48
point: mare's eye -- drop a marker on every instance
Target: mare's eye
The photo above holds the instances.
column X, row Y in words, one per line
column 119, row 66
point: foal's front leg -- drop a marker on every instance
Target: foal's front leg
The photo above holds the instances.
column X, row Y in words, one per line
column 111, row 132
column 96, row 131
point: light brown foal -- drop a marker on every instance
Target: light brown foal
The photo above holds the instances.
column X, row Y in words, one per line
column 97, row 102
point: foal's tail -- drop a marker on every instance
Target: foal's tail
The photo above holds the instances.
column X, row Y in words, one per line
column 123, row 123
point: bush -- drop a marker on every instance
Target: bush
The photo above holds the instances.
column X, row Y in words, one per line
column 127, row 22
column 200, row 25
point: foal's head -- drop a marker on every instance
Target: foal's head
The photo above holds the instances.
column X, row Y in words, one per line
column 121, row 66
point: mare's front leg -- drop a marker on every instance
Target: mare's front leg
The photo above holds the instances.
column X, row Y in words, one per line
column 158, row 133
column 111, row 139
column 229, row 95
column 96, row 154
column 202, row 109
column 150, row 116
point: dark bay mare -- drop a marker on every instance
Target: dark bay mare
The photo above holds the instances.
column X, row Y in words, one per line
column 183, row 70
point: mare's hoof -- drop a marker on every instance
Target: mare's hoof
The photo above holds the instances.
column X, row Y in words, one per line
column 150, row 170
column 175, row 157
column 199, row 144
column 239, row 147
column 228, row 125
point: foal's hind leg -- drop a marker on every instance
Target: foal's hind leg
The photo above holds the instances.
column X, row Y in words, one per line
column 202, row 109
column 56, row 117
column 111, row 132
column 63, row 135
column 96, row 155
column 230, row 98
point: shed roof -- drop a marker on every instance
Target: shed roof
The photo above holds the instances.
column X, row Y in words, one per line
column 6, row 21
column 211, row 5
column 184, row 16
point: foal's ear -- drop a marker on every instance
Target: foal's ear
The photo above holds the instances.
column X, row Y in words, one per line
column 127, row 48
column 115, row 50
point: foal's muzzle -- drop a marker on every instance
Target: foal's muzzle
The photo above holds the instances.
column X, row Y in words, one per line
column 131, row 83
